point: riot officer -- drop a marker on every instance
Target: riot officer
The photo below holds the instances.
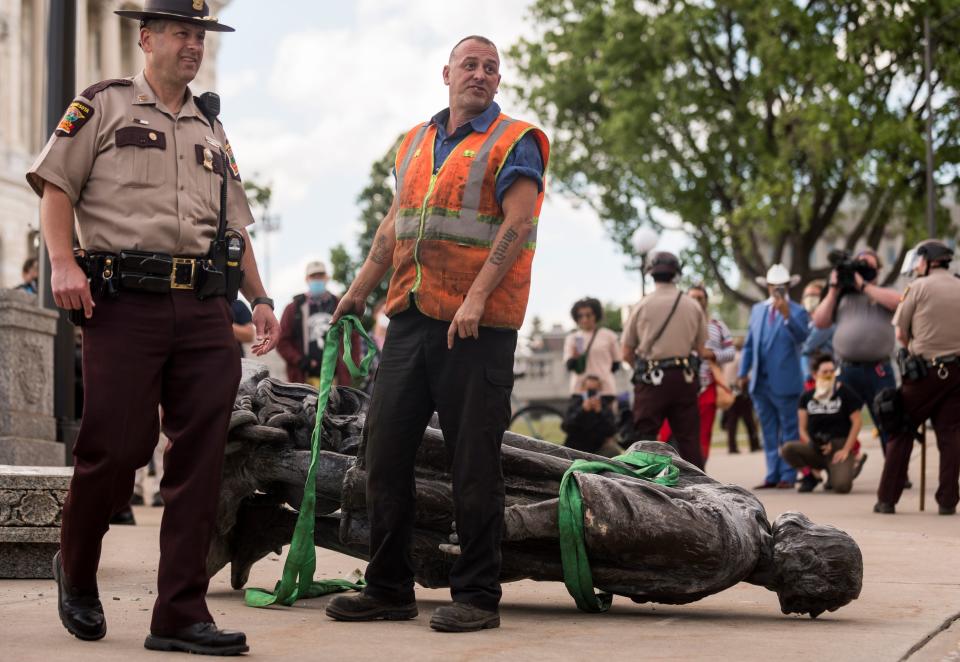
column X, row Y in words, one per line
column 661, row 339
column 931, row 377
column 144, row 166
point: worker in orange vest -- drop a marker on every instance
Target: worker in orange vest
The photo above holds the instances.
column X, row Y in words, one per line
column 460, row 235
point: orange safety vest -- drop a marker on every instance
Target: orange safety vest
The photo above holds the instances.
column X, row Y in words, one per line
column 447, row 221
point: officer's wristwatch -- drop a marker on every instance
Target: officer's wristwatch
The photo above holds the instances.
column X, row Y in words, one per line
column 267, row 301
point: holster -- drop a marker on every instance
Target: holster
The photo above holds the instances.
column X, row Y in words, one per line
column 912, row 368
column 103, row 276
column 890, row 411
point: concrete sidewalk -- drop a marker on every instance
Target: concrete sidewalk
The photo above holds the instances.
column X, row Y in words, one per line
column 911, row 592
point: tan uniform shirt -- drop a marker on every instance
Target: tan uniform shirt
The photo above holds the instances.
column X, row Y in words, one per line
column 685, row 333
column 927, row 315
column 140, row 177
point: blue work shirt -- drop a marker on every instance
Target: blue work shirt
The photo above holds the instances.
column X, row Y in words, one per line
column 524, row 160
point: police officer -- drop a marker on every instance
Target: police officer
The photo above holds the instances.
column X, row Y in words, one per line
column 141, row 163
column 661, row 338
column 931, row 377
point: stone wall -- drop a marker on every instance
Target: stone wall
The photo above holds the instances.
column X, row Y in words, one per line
column 31, row 506
column 28, row 429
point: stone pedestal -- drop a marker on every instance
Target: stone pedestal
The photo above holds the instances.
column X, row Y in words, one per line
column 28, row 429
column 31, row 505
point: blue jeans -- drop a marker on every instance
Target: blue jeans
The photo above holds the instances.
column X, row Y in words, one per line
column 779, row 424
column 866, row 380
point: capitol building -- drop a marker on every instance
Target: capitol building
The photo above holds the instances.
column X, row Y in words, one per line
column 106, row 47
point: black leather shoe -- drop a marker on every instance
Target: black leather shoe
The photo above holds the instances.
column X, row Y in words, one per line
column 81, row 614
column 362, row 607
column 200, row 639
column 461, row 617
column 944, row 510
column 885, row 508
column 125, row 516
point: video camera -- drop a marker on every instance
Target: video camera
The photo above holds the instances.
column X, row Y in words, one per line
column 847, row 267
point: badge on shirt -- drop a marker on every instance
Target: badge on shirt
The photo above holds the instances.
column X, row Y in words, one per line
column 78, row 113
column 213, row 142
column 233, row 161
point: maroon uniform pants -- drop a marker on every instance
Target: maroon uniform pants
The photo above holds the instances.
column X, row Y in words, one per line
column 674, row 401
column 139, row 351
column 939, row 400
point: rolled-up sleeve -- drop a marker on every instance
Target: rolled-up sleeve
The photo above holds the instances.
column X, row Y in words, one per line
column 524, row 160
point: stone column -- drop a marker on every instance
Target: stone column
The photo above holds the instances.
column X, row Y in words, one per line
column 110, row 42
column 28, row 429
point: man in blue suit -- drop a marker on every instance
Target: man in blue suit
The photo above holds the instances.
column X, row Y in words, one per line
column 772, row 365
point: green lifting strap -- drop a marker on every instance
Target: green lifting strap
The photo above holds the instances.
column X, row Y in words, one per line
column 297, row 579
column 573, row 551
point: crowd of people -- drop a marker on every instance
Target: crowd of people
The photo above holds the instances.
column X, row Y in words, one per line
column 805, row 370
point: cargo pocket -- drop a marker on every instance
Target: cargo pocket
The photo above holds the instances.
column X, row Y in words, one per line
column 499, row 386
column 140, row 152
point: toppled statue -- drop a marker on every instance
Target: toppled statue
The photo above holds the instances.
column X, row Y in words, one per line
column 645, row 541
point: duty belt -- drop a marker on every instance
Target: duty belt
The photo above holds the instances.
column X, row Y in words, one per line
column 650, row 371
column 942, row 364
column 140, row 271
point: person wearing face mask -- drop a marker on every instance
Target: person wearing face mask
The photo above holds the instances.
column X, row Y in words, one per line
column 304, row 324
column 863, row 339
column 829, row 422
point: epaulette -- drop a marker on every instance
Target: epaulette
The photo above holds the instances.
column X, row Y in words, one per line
column 97, row 88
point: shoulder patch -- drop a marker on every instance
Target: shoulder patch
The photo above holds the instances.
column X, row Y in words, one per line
column 233, row 162
column 97, row 88
column 78, row 113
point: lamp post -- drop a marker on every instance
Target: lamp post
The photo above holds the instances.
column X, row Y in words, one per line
column 644, row 240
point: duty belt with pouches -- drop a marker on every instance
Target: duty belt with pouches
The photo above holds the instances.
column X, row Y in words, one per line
column 942, row 364
column 650, row 371
column 139, row 271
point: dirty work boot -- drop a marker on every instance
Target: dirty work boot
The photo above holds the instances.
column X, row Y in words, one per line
column 461, row 617
column 81, row 614
column 200, row 639
column 362, row 607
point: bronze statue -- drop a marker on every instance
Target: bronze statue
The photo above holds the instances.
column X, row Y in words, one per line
column 645, row 541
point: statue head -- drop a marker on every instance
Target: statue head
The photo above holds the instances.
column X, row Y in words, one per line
column 817, row 567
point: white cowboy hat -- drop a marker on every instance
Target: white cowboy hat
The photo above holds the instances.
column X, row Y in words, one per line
column 778, row 275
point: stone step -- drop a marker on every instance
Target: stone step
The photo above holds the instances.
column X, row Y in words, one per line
column 31, row 505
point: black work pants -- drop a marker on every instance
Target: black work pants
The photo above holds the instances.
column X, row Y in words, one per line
column 939, row 400
column 469, row 388
column 139, row 351
column 742, row 409
column 674, row 400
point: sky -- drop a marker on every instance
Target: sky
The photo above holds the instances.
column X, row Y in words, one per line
column 314, row 91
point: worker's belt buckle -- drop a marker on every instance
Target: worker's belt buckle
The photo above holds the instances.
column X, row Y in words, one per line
column 183, row 274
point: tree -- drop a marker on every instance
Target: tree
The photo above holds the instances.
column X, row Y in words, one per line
column 751, row 125
column 374, row 201
column 258, row 197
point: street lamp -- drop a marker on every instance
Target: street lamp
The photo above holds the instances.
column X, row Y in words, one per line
column 644, row 240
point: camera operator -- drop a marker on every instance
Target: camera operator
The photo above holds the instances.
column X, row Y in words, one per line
column 863, row 339
column 590, row 420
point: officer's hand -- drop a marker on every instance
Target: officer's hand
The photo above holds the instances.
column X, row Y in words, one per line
column 71, row 289
column 350, row 304
column 466, row 323
column 268, row 329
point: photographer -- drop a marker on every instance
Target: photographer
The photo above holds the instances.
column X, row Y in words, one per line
column 863, row 340
column 590, row 422
column 829, row 417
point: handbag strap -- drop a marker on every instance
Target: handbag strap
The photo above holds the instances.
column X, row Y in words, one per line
column 586, row 352
column 666, row 323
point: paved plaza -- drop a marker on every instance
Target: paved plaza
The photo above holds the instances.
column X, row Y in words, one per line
column 910, row 598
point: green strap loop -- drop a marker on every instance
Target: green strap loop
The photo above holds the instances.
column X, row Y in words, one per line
column 297, row 579
column 573, row 550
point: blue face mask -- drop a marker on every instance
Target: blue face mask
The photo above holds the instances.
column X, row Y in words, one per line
column 316, row 287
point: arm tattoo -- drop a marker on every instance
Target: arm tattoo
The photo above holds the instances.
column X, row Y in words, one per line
column 499, row 255
column 379, row 253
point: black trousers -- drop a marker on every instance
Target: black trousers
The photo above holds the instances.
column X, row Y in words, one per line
column 469, row 388
column 139, row 351
column 674, row 400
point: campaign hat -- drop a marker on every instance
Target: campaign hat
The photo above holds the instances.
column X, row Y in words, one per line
column 195, row 12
